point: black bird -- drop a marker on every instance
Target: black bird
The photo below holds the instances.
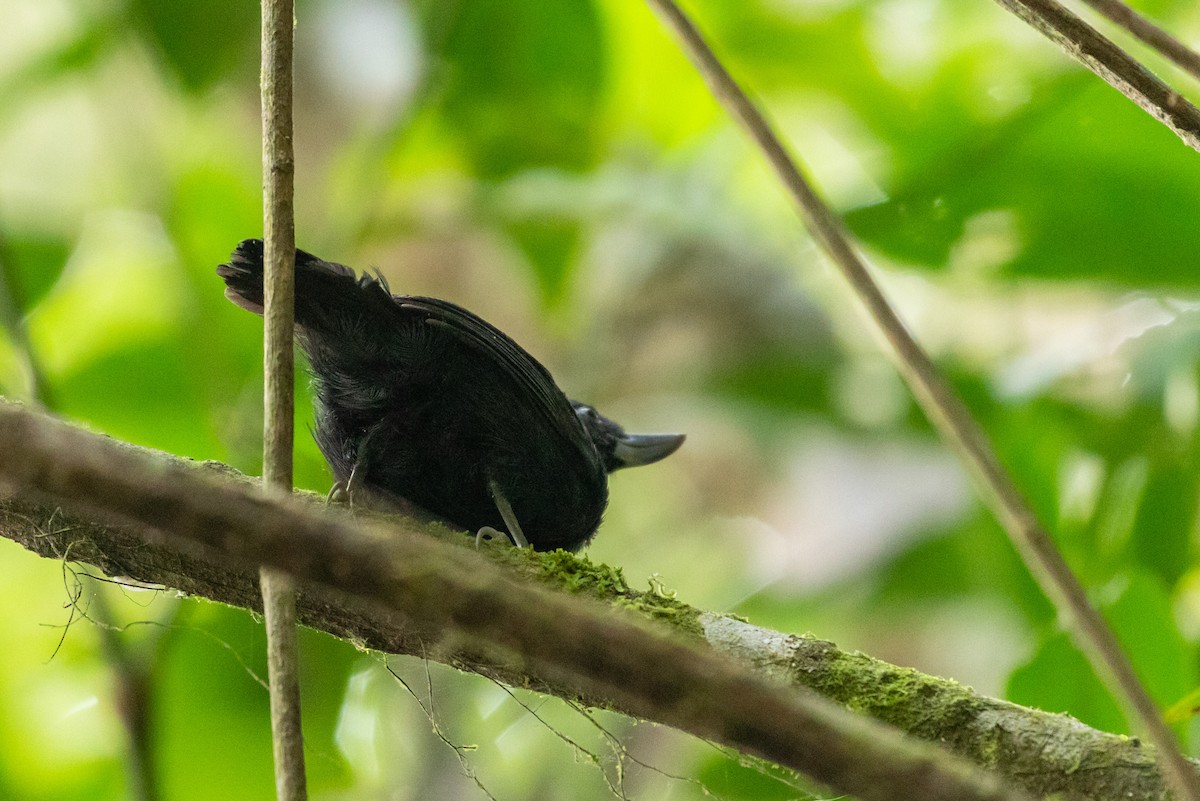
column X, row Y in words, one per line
column 419, row 399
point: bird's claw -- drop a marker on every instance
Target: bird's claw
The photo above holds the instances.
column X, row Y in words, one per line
column 487, row 534
column 338, row 493
column 345, row 490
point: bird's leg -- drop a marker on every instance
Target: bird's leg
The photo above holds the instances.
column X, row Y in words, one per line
column 506, row 512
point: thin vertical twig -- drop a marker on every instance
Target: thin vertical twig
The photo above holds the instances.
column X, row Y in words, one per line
column 945, row 410
column 1180, row 54
column 278, row 589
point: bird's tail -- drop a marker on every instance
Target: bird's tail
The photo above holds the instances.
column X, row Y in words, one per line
column 322, row 287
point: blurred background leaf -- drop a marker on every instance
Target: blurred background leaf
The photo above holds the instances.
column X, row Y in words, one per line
column 559, row 169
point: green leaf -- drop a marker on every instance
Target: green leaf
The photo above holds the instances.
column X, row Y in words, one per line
column 524, row 82
column 34, row 261
column 119, row 392
column 1144, row 622
column 1184, row 709
column 201, row 41
column 1049, row 191
column 781, row 381
column 1165, row 520
column 212, row 727
column 550, row 244
column 77, row 54
column 213, row 717
column 213, row 207
column 737, row 777
column 1059, row 679
column 976, row 559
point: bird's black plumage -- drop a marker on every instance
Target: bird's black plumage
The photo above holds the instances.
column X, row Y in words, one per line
column 422, row 400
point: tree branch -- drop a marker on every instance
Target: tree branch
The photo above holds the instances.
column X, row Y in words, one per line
column 1183, row 56
column 1036, row 751
column 279, row 244
column 945, row 410
column 1112, row 64
column 459, row 602
column 279, row 258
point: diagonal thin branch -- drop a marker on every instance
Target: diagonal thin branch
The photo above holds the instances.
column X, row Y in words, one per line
column 459, row 598
column 946, row 410
column 1183, row 56
column 1116, row 67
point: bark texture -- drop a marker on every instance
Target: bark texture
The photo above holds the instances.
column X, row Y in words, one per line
column 1039, row 752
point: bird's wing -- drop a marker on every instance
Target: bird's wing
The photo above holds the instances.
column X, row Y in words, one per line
column 525, row 370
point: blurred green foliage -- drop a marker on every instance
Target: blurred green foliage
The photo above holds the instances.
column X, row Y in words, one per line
column 560, row 169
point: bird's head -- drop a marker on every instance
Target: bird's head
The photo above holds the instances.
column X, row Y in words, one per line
column 618, row 449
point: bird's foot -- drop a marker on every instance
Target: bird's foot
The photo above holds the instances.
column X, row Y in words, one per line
column 338, row 493
column 345, row 491
column 488, row 534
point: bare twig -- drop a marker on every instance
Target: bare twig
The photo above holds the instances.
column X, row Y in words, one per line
column 279, row 594
column 454, row 595
column 946, row 410
column 616, row 785
column 279, row 248
column 1183, row 56
column 1116, row 67
column 460, row 751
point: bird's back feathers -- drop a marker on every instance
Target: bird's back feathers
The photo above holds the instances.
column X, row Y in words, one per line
column 430, row 402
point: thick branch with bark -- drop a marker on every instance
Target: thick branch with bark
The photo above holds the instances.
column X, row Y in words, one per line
column 1039, row 752
column 454, row 600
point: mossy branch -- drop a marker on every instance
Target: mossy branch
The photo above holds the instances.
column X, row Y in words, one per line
column 1039, row 752
column 460, row 604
